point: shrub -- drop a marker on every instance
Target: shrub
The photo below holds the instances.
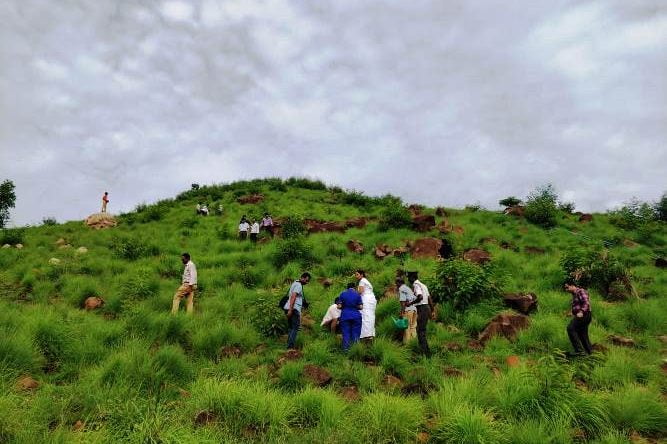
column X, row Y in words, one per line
column 567, row 207
column 49, row 221
column 355, row 198
column 660, row 208
column 635, row 408
column 510, row 201
column 305, row 183
column 267, row 318
column 132, row 248
column 293, row 249
column 384, row 418
column 464, row 283
column 292, row 227
column 12, row 236
column 468, row 424
column 633, row 215
column 541, row 206
column 140, row 285
column 395, row 215
column 587, row 266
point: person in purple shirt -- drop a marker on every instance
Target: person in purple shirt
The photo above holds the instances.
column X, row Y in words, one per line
column 577, row 329
column 350, row 303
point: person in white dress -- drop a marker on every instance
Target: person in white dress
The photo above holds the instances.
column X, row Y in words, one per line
column 365, row 289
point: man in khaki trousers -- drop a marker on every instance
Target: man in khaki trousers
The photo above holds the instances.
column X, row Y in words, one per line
column 188, row 286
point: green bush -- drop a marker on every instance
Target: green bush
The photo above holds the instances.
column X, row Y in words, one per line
column 132, row 248
column 305, row 183
column 635, row 408
column 660, row 208
column 292, row 227
column 541, row 206
column 140, row 284
column 49, row 221
column 633, row 215
column 510, row 201
column 463, row 283
column 395, row 215
column 591, row 266
column 267, row 317
column 293, row 249
column 12, row 236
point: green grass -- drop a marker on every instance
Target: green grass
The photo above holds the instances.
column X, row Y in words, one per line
column 131, row 372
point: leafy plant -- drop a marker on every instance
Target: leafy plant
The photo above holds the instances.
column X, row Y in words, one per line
column 394, row 216
column 12, row 236
column 510, row 201
column 589, row 266
column 292, row 227
column 464, row 283
column 132, row 248
column 541, row 206
column 267, row 318
column 633, row 215
column 7, row 200
column 293, row 249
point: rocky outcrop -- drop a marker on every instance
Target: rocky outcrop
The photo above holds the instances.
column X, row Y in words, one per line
column 477, row 256
column 317, row 375
column 355, row 246
column 506, row 325
column 27, row 383
column 356, row 222
column 423, row 222
column 230, row 351
column 318, row 226
column 93, row 303
column 586, row 217
column 534, row 250
column 522, row 302
column 428, row 247
column 289, row 355
column 621, row 341
column 441, row 212
column 516, row 210
column 100, row 221
column 250, row 199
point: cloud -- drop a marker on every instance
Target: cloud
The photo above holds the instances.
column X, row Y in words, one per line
column 440, row 102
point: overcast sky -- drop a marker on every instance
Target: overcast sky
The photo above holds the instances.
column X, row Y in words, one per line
column 440, row 102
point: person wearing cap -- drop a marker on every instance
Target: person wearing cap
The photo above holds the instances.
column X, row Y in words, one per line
column 407, row 299
column 425, row 310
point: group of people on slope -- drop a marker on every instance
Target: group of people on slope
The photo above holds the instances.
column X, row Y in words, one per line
column 253, row 227
column 201, row 209
column 354, row 309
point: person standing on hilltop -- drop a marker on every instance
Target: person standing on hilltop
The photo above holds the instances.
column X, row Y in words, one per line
column 293, row 307
column 369, row 302
column 244, row 227
column 105, row 201
column 425, row 310
column 577, row 329
column 254, row 231
column 188, row 286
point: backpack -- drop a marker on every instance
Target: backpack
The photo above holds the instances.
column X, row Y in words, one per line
column 284, row 299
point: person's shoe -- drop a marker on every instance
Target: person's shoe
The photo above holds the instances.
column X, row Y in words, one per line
column 574, row 355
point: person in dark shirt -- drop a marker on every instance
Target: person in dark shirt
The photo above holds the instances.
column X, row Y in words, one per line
column 577, row 329
column 350, row 305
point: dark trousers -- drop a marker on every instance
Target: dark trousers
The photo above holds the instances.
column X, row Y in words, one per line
column 253, row 237
column 351, row 330
column 577, row 330
column 293, row 324
column 423, row 315
column 243, row 235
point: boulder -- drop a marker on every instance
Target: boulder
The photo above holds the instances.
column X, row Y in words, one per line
column 230, row 351
column 326, row 282
column 415, row 209
column 428, row 247
column 534, row 250
column 205, row 417
column 400, row 250
column 54, row 261
column 63, row 247
column 18, row 246
column 663, row 339
column 27, row 383
column 458, row 230
column 621, row 341
column 317, row 375
column 441, row 212
column 629, row 243
column 355, row 246
column 475, row 345
column 444, row 227
column 522, row 302
column 423, row 222
column 356, row 222
column 660, row 262
column 61, row 241
column 318, row 226
column 81, row 250
column 586, row 217
column 250, row 199
column 289, row 355
column 477, row 256
column 507, row 246
column 350, row 393
column 516, row 210
column 92, row 303
column 382, row 251
column 504, row 324
column 453, row 347
column 77, row 426
column 5, row 246
column 392, row 381
column 99, row 221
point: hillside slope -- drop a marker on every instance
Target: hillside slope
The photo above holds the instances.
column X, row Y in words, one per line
column 130, row 372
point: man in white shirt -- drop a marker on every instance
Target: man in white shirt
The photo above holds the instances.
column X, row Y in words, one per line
column 254, row 230
column 425, row 310
column 188, row 286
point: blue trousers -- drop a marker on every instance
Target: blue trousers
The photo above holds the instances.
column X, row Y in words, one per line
column 351, row 330
column 293, row 324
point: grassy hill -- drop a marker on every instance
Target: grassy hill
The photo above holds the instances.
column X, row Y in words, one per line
column 131, row 372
